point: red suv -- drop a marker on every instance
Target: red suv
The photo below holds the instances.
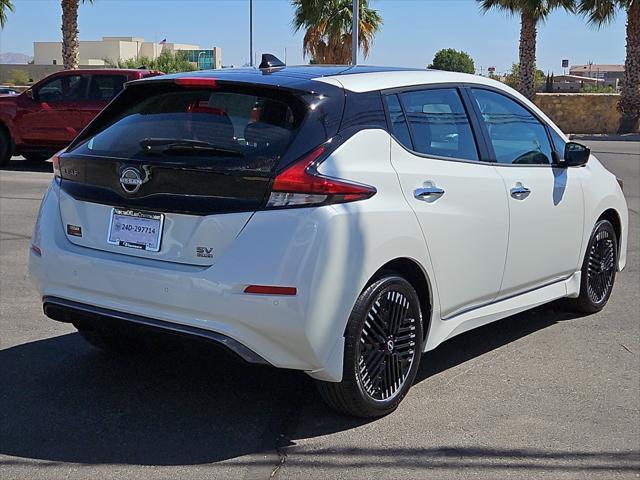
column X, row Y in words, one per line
column 45, row 118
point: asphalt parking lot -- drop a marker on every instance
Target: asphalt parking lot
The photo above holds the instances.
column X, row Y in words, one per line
column 544, row 394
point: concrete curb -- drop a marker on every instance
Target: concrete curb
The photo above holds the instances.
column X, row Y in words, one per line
column 631, row 137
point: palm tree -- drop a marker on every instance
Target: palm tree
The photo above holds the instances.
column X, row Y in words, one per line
column 4, row 6
column 328, row 25
column 601, row 12
column 70, row 44
column 531, row 12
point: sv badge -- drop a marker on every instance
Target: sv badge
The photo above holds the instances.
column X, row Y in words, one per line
column 204, row 252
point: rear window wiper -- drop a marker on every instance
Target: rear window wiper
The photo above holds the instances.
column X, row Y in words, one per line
column 186, row 145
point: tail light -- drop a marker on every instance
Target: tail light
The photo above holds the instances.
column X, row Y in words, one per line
column 56, row 165
column 300, row 184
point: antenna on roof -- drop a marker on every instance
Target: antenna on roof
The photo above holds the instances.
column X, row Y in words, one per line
column 270, row 61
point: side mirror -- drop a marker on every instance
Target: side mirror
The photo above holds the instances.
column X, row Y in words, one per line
column 29, row 93
column 575, row 154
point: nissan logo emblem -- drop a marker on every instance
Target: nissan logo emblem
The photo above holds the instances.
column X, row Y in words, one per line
column 131, row 180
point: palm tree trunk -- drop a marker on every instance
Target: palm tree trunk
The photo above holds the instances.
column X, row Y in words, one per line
column 70, row 44
column 630, row 93
column 528, row 37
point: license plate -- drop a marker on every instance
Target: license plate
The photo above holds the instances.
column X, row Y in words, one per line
column 133, row 229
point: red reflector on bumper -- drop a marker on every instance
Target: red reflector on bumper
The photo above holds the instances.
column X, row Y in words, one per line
column 36, row 249
column 269, row 290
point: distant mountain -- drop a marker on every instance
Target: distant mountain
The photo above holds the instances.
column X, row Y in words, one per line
column 15, row 58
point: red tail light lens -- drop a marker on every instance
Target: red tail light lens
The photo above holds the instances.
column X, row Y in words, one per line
column 55, row 160
column 301, row 185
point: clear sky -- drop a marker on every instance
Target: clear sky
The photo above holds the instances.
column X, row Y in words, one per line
column 413, row 30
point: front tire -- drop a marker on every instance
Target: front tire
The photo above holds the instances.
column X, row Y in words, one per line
column 383, row 346
column 6, row 146
column 598, row 269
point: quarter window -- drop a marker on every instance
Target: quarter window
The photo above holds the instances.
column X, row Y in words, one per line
column 517, row 136
column 558, row 142
column 439, row 123
column 399, row 126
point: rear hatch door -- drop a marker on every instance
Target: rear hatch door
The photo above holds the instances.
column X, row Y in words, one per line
column 174, row 170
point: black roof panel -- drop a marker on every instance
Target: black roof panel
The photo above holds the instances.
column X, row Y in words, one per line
column 297, row 76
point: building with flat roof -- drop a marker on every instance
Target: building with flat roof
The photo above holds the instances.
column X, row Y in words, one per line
column 112, row 49
column 611, row 75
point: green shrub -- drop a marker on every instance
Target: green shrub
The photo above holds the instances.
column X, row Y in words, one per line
column 451, row 60
column 597, row 89
column 513, row 78
column 18, row 77
column 166, row 62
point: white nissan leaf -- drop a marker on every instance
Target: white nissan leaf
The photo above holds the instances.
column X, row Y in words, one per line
column 335, row 220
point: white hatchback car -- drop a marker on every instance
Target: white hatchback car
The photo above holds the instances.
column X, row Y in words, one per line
column 335, row 220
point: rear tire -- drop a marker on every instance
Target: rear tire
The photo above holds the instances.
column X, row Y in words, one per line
column 598, row 270
column 383, row 346
column 6, row 146
column 109, row 341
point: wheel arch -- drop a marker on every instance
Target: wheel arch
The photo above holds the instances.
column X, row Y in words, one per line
column 613, row 216
column 418, row 278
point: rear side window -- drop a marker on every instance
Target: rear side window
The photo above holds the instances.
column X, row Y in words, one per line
column 223, row 129
column 439, row 123
column 517, row 136
column 105, row 87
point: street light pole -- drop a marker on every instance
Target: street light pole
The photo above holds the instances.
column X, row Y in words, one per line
column 251, row 32
column 354, row 32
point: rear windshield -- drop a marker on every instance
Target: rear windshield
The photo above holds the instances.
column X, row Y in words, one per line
column 218, row 128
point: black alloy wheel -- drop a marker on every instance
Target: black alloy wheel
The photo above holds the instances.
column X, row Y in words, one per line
column 383, row 346
column 598, row 269
column 387, row 345
column 601, row 266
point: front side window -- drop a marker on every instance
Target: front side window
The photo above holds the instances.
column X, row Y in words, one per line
column 439, row 123
column 64, row 88
column 518, row 138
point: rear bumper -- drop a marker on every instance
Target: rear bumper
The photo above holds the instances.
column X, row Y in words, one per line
column 99, row 318
column 301, row 332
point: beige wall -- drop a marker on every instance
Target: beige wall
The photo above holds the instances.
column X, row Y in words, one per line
column 45, row 52
column 149, row 49
column 582, row 112
column 110, row 48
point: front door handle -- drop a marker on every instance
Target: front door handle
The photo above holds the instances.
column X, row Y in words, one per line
column 429, row 192
column 520, row 192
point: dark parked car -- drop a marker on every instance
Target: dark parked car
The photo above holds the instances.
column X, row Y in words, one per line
column 45, row 118
column 8, row 91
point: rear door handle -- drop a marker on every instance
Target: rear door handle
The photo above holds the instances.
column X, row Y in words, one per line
column 429, row 192
column 520, row 192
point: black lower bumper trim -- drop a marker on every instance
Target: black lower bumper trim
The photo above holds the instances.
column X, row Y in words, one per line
column 87, row 315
